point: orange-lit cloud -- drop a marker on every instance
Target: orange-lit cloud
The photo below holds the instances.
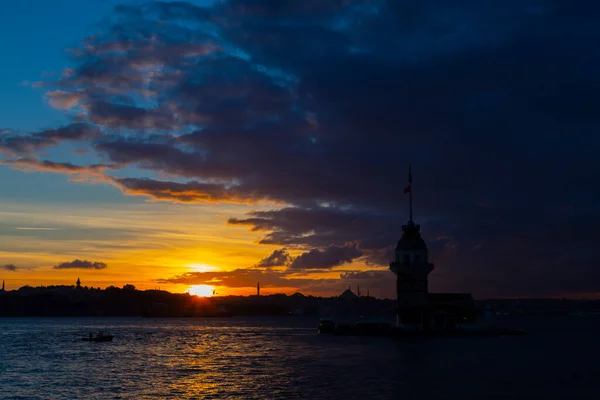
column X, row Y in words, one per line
column 64, row 100
column 190, row 192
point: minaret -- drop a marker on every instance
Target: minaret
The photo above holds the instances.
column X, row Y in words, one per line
column 258, row 289
column 2, row 286
column 411, row 267
column 358, row 290
column 78, row 284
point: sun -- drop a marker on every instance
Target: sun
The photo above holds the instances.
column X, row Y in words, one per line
column 201, row 290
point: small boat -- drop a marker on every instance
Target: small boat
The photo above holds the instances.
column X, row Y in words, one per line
column 326, row 326
column 98, row 337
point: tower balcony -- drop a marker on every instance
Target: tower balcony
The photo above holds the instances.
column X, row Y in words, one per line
column 414, row 269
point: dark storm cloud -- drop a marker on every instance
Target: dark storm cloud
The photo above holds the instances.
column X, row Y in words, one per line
column 321, row 105
column 9, row 267
column 374, row 232
column 277, row 259
column 329, row 257
column 313, row 226
column 81, row 264
column 284, row 9
column 126, row 116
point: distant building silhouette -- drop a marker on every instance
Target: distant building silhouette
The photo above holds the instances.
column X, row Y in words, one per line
column 78, row 284
column 2, row 290
column 358, row 290
column 258, row 288
column 348, row 294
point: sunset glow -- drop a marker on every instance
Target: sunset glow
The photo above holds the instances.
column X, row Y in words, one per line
column 182, row 161
column 201, row 290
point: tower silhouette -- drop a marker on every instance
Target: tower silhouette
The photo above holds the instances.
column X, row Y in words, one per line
column 412, row 267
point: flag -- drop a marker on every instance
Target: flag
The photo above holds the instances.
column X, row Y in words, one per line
column 407, row 189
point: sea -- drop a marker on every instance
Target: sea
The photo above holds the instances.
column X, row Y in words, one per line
column 284, row 358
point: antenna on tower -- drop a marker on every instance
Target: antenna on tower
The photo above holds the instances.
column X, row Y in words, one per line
column 408, row 190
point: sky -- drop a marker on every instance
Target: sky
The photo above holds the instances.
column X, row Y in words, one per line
column 209, row 145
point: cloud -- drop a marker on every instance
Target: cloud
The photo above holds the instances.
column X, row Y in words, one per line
column 240, row 278
column 317, row 107
column 64, row 100
column 51, row 166
column 76, row 131
column 110, row 115
column 374, row 232
column 247, row 278
column 379, row 283
column 326, row 258
column 189, row 192
column 35, row 228
column 81, row 264
column 277, row 259
column 9, row 267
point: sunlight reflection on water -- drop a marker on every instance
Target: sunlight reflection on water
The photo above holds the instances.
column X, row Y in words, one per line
column 263, row 359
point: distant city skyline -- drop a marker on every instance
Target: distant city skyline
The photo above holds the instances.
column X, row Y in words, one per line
column 205, row 146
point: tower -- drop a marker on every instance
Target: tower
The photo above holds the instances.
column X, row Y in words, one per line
column 358, row 290
column 2, row 286
column 411, row 267
column 258, row 288
column 78, row 286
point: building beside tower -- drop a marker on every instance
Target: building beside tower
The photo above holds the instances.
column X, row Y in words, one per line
column 416, row 307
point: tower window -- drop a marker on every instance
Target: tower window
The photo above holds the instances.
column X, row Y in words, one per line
column 407, row 259
column 417, row 259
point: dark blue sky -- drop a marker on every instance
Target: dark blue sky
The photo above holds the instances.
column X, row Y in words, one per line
column 308, row 113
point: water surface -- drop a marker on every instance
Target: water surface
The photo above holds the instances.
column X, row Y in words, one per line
column 283, row 358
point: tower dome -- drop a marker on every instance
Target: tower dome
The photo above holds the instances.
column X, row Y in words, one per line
column 411, row 238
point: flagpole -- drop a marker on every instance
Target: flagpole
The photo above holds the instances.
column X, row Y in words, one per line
column 410, row 190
